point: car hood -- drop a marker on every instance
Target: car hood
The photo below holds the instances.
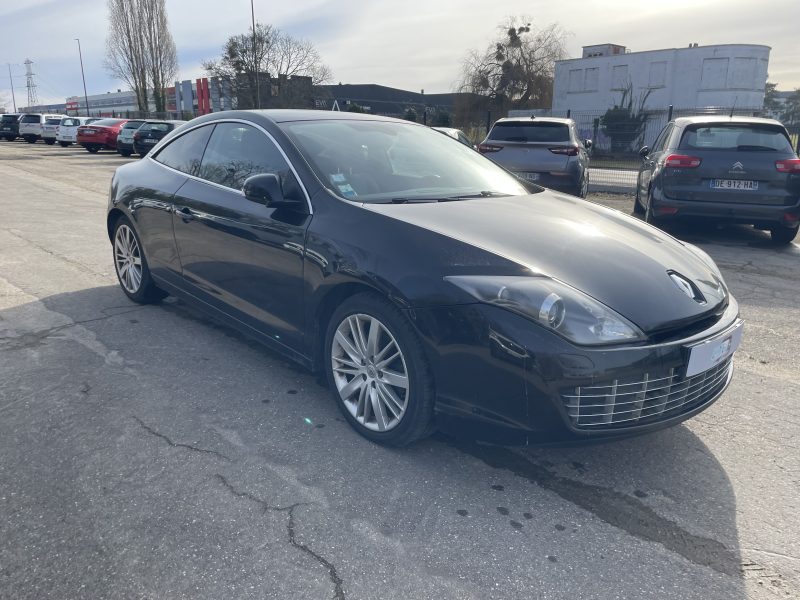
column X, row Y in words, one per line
column 617, row 259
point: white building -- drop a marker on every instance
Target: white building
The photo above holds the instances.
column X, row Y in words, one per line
column 726, row 75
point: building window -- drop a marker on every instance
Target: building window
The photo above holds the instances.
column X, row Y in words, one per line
column 619, row 77
column 575, row 80
column 658, row 75
column 590, row 80
column 715, row 73
column 743, row 73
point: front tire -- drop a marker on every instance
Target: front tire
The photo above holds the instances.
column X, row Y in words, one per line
column 781, row 236
column 377, row 371
column 131, row 265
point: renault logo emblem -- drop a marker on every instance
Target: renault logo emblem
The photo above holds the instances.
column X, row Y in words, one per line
column 687, row 288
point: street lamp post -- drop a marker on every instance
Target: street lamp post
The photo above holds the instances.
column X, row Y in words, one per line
column 85, row 95
column 255, row 57
column 11, row 80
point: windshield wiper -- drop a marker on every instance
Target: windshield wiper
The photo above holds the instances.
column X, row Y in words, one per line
column 481, row 194
column 413, row 200
column 419, row 199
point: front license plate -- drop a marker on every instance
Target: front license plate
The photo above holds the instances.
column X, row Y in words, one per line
column 710, row 353
column 734, row 184
column 528, row 176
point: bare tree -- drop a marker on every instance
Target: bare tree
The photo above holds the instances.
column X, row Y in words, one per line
column 140, row 50
column 271, row 56
column 516, row 70
column 161, row 55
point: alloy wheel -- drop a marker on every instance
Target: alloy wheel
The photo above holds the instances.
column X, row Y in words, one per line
column 370, row 372
column 128, row 259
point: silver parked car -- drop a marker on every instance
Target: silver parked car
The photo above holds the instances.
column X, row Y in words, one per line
column 546, row 151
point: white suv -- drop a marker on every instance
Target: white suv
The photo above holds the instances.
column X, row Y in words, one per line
column 68, row 129
column 30, row 126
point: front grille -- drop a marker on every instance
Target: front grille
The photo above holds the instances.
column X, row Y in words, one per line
column 627, row 404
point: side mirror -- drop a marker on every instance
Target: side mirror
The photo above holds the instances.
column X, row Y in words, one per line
column 266, row 189
column 587, row 143
column 644, row 152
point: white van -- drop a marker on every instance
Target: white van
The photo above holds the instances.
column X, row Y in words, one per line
column 30, row 125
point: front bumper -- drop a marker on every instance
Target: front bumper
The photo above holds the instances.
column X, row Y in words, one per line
column 498, row 369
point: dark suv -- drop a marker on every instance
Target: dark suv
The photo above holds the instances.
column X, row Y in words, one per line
column 150, row 133
column 9, row 126
column 546, row 151
column 725, row 169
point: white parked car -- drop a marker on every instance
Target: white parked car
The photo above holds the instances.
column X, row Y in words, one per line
column 50, row 129
column 30, row 126
column 68, row 129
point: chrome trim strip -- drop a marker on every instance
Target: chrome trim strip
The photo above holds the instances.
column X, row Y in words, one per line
column 157, row 148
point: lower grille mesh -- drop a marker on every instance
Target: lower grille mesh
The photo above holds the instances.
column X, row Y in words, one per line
column 623, row 404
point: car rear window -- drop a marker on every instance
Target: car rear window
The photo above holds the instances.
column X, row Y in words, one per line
column 517, row 131
column 52, row 121
column 736, row 136
column 9, row 119
column 132, row 125
column 31, row 119
column 106, row 122
column 70, row 122
column 156, row 127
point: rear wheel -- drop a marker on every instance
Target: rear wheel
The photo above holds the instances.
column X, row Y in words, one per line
column 64, row 144
column 782, row 236
column 649, row 215
column 125, row 153
column 638, row 209
column 93, row 149
column 30, row 139
column 377, row 371
column 49, row 142
column 131, row 266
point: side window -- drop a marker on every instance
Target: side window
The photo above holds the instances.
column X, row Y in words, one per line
column 185, row 153
column 237, row 151
column 661, row 142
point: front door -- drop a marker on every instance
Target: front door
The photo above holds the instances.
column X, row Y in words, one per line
column 240, row 256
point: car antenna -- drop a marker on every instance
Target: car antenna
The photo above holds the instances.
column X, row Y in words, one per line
column 735, row 98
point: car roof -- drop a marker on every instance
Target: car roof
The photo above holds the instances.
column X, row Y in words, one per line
column 174, row 122
column 701, row 119
column 534, row 120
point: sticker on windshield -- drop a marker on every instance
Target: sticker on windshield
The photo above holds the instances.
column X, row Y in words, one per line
column 338, row 178
column 347, row 191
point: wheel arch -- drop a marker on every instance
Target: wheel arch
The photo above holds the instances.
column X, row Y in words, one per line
column 111, row 220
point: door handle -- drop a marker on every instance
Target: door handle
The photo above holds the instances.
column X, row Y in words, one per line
column 184, row 213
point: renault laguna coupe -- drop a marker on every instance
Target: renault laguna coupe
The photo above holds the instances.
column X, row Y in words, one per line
column 434, row 288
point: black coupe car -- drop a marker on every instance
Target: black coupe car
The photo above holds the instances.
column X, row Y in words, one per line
column 434, row 288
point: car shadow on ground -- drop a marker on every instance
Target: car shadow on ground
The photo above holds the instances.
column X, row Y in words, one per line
column 209, row 406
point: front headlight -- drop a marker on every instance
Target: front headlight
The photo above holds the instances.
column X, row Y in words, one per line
column 557, row 306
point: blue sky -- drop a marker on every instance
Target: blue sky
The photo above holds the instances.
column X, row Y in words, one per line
column 411, row 44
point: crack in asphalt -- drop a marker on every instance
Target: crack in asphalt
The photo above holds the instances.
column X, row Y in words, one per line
column 615, row 508
column 33, row 339
column 173, row 444
column 291, row 528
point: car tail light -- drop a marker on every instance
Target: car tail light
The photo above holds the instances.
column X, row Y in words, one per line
column 486, row 148
column 566, row 151
column 665, row 210
column 789, row 165
column 790, row 218
column 681, row 161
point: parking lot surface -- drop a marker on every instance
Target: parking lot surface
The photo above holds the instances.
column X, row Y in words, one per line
column 148, row 452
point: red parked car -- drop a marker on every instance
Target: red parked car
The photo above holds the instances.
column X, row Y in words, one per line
column 100, row 135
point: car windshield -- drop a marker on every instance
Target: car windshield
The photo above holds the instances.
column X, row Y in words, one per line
column 106, row 122
column 155, row 127
column 384, row 161
column 736, row 136
column 524, row 131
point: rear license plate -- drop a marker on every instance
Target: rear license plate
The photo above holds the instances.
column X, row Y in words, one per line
column 734, row 184
column 88, row 132
column 710, row 353
column 149, row 141
column 528, row 176
column 6, row 128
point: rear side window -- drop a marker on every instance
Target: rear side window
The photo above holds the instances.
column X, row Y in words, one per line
column 736, row 136
column 518, row 131
column 31, row 119
column 185, row 152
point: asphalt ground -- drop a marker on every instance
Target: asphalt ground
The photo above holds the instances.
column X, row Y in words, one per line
column 150, row 452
